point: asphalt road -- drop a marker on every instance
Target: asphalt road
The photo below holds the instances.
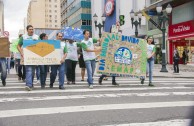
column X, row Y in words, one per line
column 169, row 103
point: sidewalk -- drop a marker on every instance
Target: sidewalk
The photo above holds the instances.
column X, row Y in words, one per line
column 185, row 71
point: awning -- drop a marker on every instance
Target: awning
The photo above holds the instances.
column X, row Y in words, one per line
column 181, row 36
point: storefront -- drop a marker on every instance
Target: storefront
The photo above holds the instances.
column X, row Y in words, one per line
column 181, row 31
column 181, row 36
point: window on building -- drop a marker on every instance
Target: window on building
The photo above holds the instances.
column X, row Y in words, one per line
column 50, row 16
column 49, row 0
column 50, row 21
column 55, row 21
column 55, row 6
column 49, row 5
column 55, row 0
column 55, row 16
column 55, row 11
column 50, row 26
column 86, row 22
column 56, row 26
column 50, row 11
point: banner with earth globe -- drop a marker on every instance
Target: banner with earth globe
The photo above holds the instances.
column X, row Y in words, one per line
column 122, row 56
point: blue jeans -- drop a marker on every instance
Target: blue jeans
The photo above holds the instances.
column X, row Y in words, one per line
column 90, row 66
column 37, row 73
column 3, row 69
column 43, row 74
column 30, row 70
column 53, row 74
column 150, row 66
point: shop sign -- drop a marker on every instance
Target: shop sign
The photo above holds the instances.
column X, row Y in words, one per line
column 181, row 28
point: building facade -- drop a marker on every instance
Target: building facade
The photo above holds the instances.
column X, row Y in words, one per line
column 181, row 30
column 76, row 13
column 44, row 14
column 1, row 17
column 120, row 7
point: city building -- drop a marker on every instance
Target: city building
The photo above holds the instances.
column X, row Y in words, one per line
column 119, row 7
column 1, row 17
column 180, row 29
column 44, row 14
column 76, row 13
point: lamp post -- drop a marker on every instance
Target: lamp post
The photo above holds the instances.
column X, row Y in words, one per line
column 135, row 22
column 163, row 18
column 99, row 25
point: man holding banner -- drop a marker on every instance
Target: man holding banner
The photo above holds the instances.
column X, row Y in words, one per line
column 30, row 69
column 89, row 56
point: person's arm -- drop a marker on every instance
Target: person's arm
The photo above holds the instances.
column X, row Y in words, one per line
column 97, row 40
column 84, row 46
column 19, row 46
column 65, row 54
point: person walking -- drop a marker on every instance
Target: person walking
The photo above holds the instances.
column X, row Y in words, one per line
column 71, row 60
column 43, row 68
column 89, row 56
column 81, row 63
column 3, row 71
column 176, row 63
column 60, row 68
column 30, row 69
column 185, row 56
column 150, row 60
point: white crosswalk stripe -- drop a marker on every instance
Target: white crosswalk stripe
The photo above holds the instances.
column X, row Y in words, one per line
column 129, row 96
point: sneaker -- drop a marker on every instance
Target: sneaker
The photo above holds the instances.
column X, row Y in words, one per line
column 4, row 82
column 68, row 82
column 91, row 86
column 61, row 87
column 115, row 84
column 142, row 81
column 42, row 86
column 100, row 81
column 150, row 84
column 82, row 80
column 27, row 88
column 19, row 78
column 24, row 80
column 51, row 85
column 73, row 82
column 38, row 82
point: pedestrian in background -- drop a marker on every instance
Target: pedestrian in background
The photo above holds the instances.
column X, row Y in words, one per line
column 176, row 59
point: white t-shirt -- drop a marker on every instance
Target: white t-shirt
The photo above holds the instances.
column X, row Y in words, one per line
column 72, row 51
column 90, row 45
column 150, row 49
column 27, row 37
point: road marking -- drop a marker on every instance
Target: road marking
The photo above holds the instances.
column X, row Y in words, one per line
column 93, row 90
column 88, row 108
column 178, row 122
column 115, row 95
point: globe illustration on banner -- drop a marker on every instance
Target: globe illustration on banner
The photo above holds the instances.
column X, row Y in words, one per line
column 123, row 55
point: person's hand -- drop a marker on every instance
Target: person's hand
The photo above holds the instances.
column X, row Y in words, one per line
column 62, row 61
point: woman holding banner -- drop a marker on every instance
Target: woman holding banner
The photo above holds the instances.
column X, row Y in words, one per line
column 150, row 59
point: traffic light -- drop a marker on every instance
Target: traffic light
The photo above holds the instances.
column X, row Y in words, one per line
column 122, row 20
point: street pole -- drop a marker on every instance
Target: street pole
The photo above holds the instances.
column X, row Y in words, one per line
column 164, row 19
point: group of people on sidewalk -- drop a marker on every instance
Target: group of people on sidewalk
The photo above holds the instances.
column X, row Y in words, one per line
column 69, row 58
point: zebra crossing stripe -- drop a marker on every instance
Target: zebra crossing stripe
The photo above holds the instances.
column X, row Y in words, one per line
column 178, row 122
column 89, row 108
column 93, row 90
column 115, row 95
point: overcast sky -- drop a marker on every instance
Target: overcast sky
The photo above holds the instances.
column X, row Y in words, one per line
column 15, row 11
